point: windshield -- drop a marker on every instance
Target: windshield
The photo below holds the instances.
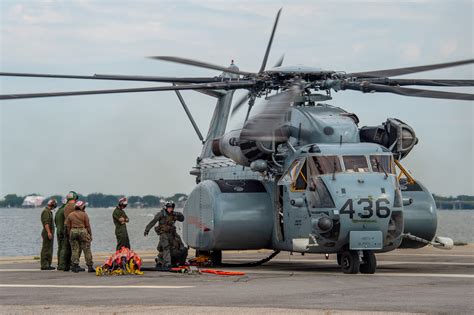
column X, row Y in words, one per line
column 325, row 165
column 355, row 163
column 382, row 163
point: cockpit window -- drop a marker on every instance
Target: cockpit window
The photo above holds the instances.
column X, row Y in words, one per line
column 355, row 163
column 382, row 163
column 325, row 165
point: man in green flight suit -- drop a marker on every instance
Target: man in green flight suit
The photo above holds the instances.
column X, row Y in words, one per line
column 120, row 220
column 170, row 247
column 59, row 221
column 48, row 235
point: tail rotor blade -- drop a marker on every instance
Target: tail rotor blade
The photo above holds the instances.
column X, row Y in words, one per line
column 264, row 126
column 240, row 102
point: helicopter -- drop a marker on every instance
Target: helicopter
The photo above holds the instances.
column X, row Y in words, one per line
column 300, row 175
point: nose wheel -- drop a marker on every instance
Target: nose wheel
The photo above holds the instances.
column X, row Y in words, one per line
column 352, row 261
column 369, row 262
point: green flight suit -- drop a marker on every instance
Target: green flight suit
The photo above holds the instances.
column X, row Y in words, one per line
column 47, row 247
column 59, row 221
column 67, row 252
column 170, row 247
column 121, row 233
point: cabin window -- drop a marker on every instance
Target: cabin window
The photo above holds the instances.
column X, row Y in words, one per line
column 355, row 163
column 300, row 182
column 293, row 172
column 382, row 163
column 325, row 165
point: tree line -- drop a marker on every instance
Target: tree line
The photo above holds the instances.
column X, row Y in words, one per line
column 99, row 200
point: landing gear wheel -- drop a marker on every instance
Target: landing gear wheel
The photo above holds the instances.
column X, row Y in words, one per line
column 202, row 253
column 350, row 262
column 369, row 262
column 216, row 257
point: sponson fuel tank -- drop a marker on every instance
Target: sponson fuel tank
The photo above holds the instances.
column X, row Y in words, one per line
column 228, row 215
column 420, row 217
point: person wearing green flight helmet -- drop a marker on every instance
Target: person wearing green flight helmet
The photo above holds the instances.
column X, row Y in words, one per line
column 59, row 222
column 71, row 198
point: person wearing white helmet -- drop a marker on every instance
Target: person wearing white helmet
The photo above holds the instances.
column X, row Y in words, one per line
column 80, row 235
column 171, row 249
column 48, row 235
column 120, row 219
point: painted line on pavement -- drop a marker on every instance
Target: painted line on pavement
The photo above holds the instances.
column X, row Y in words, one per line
column 60, row 286
column 380, row 262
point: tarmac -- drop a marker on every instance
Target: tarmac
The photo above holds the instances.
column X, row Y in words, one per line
column 425, row 280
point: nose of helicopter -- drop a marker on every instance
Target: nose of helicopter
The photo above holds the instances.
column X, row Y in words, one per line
column 365, row 203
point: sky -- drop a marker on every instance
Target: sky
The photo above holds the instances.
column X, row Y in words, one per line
column 137, row 144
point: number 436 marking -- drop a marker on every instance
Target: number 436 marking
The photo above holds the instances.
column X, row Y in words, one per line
column 380, row 209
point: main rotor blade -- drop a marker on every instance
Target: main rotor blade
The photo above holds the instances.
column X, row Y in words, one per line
column 426, row 82
column 114, row 77
column 266, row 126
column 270, row 41
column 200, row 64
column 279, row 61
column 409, row 70
column 367, row 87
column 240, row 102
column 222, row 85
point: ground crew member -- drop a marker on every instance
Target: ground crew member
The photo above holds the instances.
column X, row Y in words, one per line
column 80, row 235
column 166, row 229
column 48, row 235
column 120, row 220
column 66, row 252
column 59, row 221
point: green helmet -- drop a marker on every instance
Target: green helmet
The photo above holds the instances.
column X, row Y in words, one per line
column 72, row 195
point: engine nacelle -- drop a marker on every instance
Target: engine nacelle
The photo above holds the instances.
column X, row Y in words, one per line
column 228, row 146
column 228, row 215
column 393, row 134
column 243, row 152
column 420, row 217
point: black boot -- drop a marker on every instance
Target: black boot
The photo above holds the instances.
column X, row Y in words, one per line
column 75, row 268
column 90, row 268
column 67, row 268
column 79, row 268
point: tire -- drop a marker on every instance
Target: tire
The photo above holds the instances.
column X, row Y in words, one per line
column 369, row 263
column 202, row 253
column 216, row 257
column 338, row 258
column 350, row 262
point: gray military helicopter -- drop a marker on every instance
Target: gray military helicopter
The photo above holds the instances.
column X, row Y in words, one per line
column 300, row 175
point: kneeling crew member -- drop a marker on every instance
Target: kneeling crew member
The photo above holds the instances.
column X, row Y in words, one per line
column 80, row 234
column 120, row 220
column 48, row 235
column 167, row 231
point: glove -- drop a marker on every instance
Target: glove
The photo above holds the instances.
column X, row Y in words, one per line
column 146, row 233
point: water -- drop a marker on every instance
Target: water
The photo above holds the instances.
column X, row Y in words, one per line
column 20, row 229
